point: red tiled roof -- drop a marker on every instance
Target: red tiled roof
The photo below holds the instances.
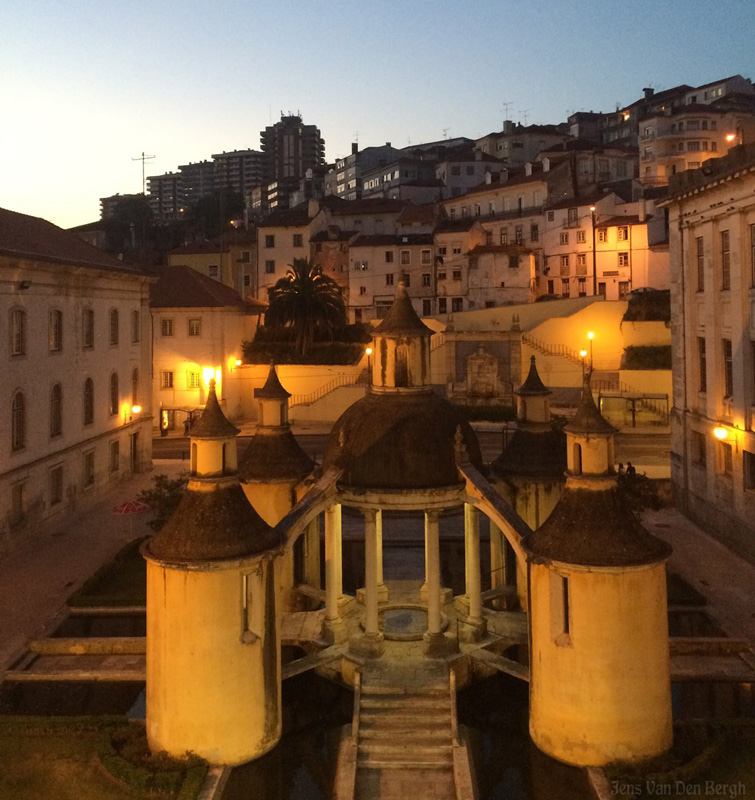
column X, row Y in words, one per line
column 183, row 287
column 422, row 215
column 629, row 219
column 288, row 218
column 32, row 237
column 510, row 249
column 456, row 225
column 385, row 240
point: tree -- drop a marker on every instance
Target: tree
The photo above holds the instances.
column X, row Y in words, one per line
column 308, row 302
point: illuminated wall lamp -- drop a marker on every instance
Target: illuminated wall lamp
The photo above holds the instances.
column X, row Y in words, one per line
column 720, row 433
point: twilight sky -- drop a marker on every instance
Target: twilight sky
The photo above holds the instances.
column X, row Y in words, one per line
column 86, row 86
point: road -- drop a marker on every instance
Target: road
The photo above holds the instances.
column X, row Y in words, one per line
column 638, row 448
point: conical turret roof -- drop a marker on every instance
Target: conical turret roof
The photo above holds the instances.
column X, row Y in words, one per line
column 402, row 319
column 533, row 385
column 213, row 423
column 272, row 390
column 588, row 419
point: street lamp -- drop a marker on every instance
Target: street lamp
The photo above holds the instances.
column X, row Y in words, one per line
column 594, row 263
column 720, row 433
column 590, row 336
column 368, row 351
column 583, row 355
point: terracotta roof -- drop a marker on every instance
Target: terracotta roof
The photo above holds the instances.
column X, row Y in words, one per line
column 533, row 454
column 510, row 249
column 274, row 454
column 407, row 239
column 402, row 319
column 576, row 202
column 325, row 236
column 514, row 179
column 213, row 423
column 629, row 219
column 367, row 205
column 399, row 442
column 456, row 225
column 594, row 527
column 97, row 225
column 272, row 390
column 213, row 525
column 196, row 248
column 412, row 214
column 533, row 385
column 184, row 287
column 588, row 419
column 23, row 236
column 287, row 218
column 469, row 155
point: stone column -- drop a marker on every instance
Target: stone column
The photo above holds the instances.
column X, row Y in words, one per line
column 334, row 629
column 435, row 641
column 497, row 557
column 423, row 588
column 312, row 553
column 371, row 643
column 382, row 589
column 474, row 627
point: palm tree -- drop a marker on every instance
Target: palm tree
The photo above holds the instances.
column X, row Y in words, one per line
column 307, row 301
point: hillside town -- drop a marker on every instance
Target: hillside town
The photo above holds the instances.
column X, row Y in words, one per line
column 512, row 326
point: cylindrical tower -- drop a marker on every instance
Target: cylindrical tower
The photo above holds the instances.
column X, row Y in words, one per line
column 599, row 655
column 213, row 655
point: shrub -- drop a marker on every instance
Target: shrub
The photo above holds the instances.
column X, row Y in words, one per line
column 647, row 357
column 164, row 496
column 638, row 492
column 649, row 305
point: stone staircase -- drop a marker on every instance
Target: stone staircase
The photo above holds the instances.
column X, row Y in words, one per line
column 405, row 739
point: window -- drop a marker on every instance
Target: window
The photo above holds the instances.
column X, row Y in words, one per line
column 702, row 368
column 87, row 328
column 725, row 459
column 581, row 261
column 362, row 290
column 166, row 327
column 602, row 235
column 55, row 479
column 115, row 457
column 213, row 271
column 442, row 305
column 623, row 289
column 564, row 238
column 698, row 449
column 114, row 398
column 193, row 380
column 247, row 281
column 270, row 240
column 560, row 614
column 456, row 274
column 426, row 279
column 246, row 256
column 728, row 369
column 389, row 256
column 551, row 216
column 700, row 264
column 269, row 267
column 407, row 279
column 88, row 401
column 166, row 380
column 114, row 331
column 513, row 262
column 56, row 410
column 474, row 262
column 725, row 261
column 441, row 276
column 693, row 147
column 518, row 235
column 457, row 304
column 406, row 257
column 55, row 331
column 389, row 279
column 18, row 421
column 582, row 287
column 195, row 327
column 564, row 260
column 470, row 170
column 534, row 233
column 427, row 307
column 504, row 237
column 135, row 387
column 441, row 251
column 581, row 237
column 565, row 287
column 456, row 250
column 298, row 240
column 88, row 469
column 456, row 170
column 135, row 326
column 622, row 233
column 748, row 469
column 623, row 259
column 426, row 257
column 572, row 215
column 17, row 332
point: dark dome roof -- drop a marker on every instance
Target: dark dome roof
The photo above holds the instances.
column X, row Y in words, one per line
column 594, row 527
column 274, row 454
column 213, row 423
column 588, row 419
column 399, row 441
column 533, row 385
column 213, row 525
column 272, row 390
column 533, row 454
column 402, row 319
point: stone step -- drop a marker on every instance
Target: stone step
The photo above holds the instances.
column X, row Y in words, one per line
column 391, row 718
column 406, row 765
column 432, row 734
column 405, row 691
column 404, row 755
column 399, row 701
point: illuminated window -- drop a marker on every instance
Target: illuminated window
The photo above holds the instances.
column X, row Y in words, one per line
column 195, row 327
column 166, row 327
column 193, row 380
column 166, row 381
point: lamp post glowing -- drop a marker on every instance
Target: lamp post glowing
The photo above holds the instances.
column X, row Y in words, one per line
column 594, row 262
column 720, row 433
column 368, row 351
column 583, row 355
column 591, row 336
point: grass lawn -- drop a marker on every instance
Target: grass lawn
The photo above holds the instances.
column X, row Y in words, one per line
column 121, row 582
column 60, row 765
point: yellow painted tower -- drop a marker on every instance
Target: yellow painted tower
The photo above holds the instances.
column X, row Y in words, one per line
column 599, row 656
column 213, row 655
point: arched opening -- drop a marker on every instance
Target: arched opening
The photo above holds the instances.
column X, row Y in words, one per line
column 577, row 459
column 114, row 397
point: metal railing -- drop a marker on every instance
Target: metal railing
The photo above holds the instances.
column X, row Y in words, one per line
column 327, row 388
column 653, row 405
column 553, row 349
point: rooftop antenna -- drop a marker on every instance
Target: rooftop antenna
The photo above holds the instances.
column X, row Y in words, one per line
column 445, row 132
column 143, row 158
column 356, row 136
column 525, row 113
column 506, row 104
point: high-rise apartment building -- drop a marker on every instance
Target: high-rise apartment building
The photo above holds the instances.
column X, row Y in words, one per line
column 197, row 180
column 165, row 195
column 290, row 148
column 240, row 170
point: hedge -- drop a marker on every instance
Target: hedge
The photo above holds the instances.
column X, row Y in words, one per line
column 647, row 357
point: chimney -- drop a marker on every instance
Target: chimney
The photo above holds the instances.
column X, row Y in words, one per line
column 354, row 148
column 508, row 127
column 387, row 144
column 648, row 92
column 641, row 211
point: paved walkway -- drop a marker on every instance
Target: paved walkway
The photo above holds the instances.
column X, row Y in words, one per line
column 38, row 576
column 726, row 579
